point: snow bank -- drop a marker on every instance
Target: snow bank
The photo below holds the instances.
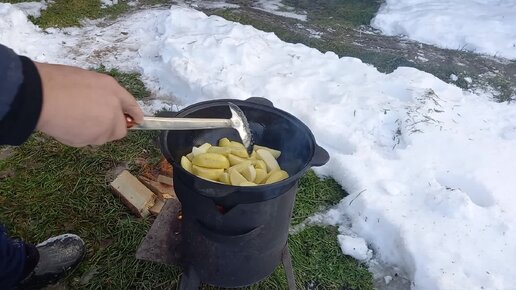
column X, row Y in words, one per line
column 429, row 168
column 32, row 8
column 355, row 247
column 483, row 26
column 114, row 45
column 17, row 32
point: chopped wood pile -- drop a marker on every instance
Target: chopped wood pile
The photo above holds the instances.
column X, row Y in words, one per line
column 147, row 193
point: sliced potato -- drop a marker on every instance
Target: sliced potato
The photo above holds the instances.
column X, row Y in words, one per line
column 236, row 178
column 211, row 160
column 249, row 173
column 269, row 160
column 207, row 173
column 186, row 164
column 190, row 156
column 224, row 142
column 276, row 176
column 260, row 164
column 229, row 163
column 237, row 144
column 219, row 150
column 274, row 152
column 241, row 166
column 234, row 160
column 248, row 183
column 201, row 149
column 269, row 175
column 240, row 152
column 261, row 174
column 224, row 178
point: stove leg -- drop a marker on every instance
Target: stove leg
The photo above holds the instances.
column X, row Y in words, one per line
column 289, row 270
column 190, row 280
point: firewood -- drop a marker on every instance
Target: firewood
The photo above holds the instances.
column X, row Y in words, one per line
column 158, row 205
column 163, row 191
column 165, row 168
column 150, row 172
column 134, row 194
column 165, row 179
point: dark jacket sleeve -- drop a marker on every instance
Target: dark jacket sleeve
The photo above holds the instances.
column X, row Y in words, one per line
column 21, row 97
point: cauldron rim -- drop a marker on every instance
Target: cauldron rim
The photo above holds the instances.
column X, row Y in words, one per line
column 319, row 156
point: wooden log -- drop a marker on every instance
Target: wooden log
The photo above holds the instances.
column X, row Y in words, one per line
column 163, row 191
column 156, row 209
column 134, row 194
column 165, row 179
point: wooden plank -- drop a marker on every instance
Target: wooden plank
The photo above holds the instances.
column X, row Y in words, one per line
column 163, row 191
column 165, row 179
column 158, row 206
column 169, row 196
column 136, row 196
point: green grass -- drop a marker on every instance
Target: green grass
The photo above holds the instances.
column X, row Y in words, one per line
column 131, row 82
column 505, row 90
column 67, row 13
column 349, row 13
column 54, row 189
column 58, row 189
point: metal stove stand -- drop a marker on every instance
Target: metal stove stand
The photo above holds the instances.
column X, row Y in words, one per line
column 162, row 244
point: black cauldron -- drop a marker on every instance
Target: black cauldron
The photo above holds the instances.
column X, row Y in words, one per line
column 243, row 243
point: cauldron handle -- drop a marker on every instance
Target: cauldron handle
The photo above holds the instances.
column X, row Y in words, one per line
column 260, row 101
column 321, row 156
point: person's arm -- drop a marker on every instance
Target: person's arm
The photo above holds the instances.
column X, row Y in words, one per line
column 20, row 97
column 75, row 106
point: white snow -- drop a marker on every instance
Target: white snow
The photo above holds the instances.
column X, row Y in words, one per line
column 387, row 279
column 25, row 38
column 429, row 167
column 277, row 8
column 468, row 79
column 32, row 8
column 152, row 107
column 454, row 77
column 107, row 3
column 355, row 247
column 483, row 26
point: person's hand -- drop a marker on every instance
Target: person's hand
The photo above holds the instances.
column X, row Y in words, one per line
column 82, row 107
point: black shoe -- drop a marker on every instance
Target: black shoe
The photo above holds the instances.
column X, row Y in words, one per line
column 57, row 256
